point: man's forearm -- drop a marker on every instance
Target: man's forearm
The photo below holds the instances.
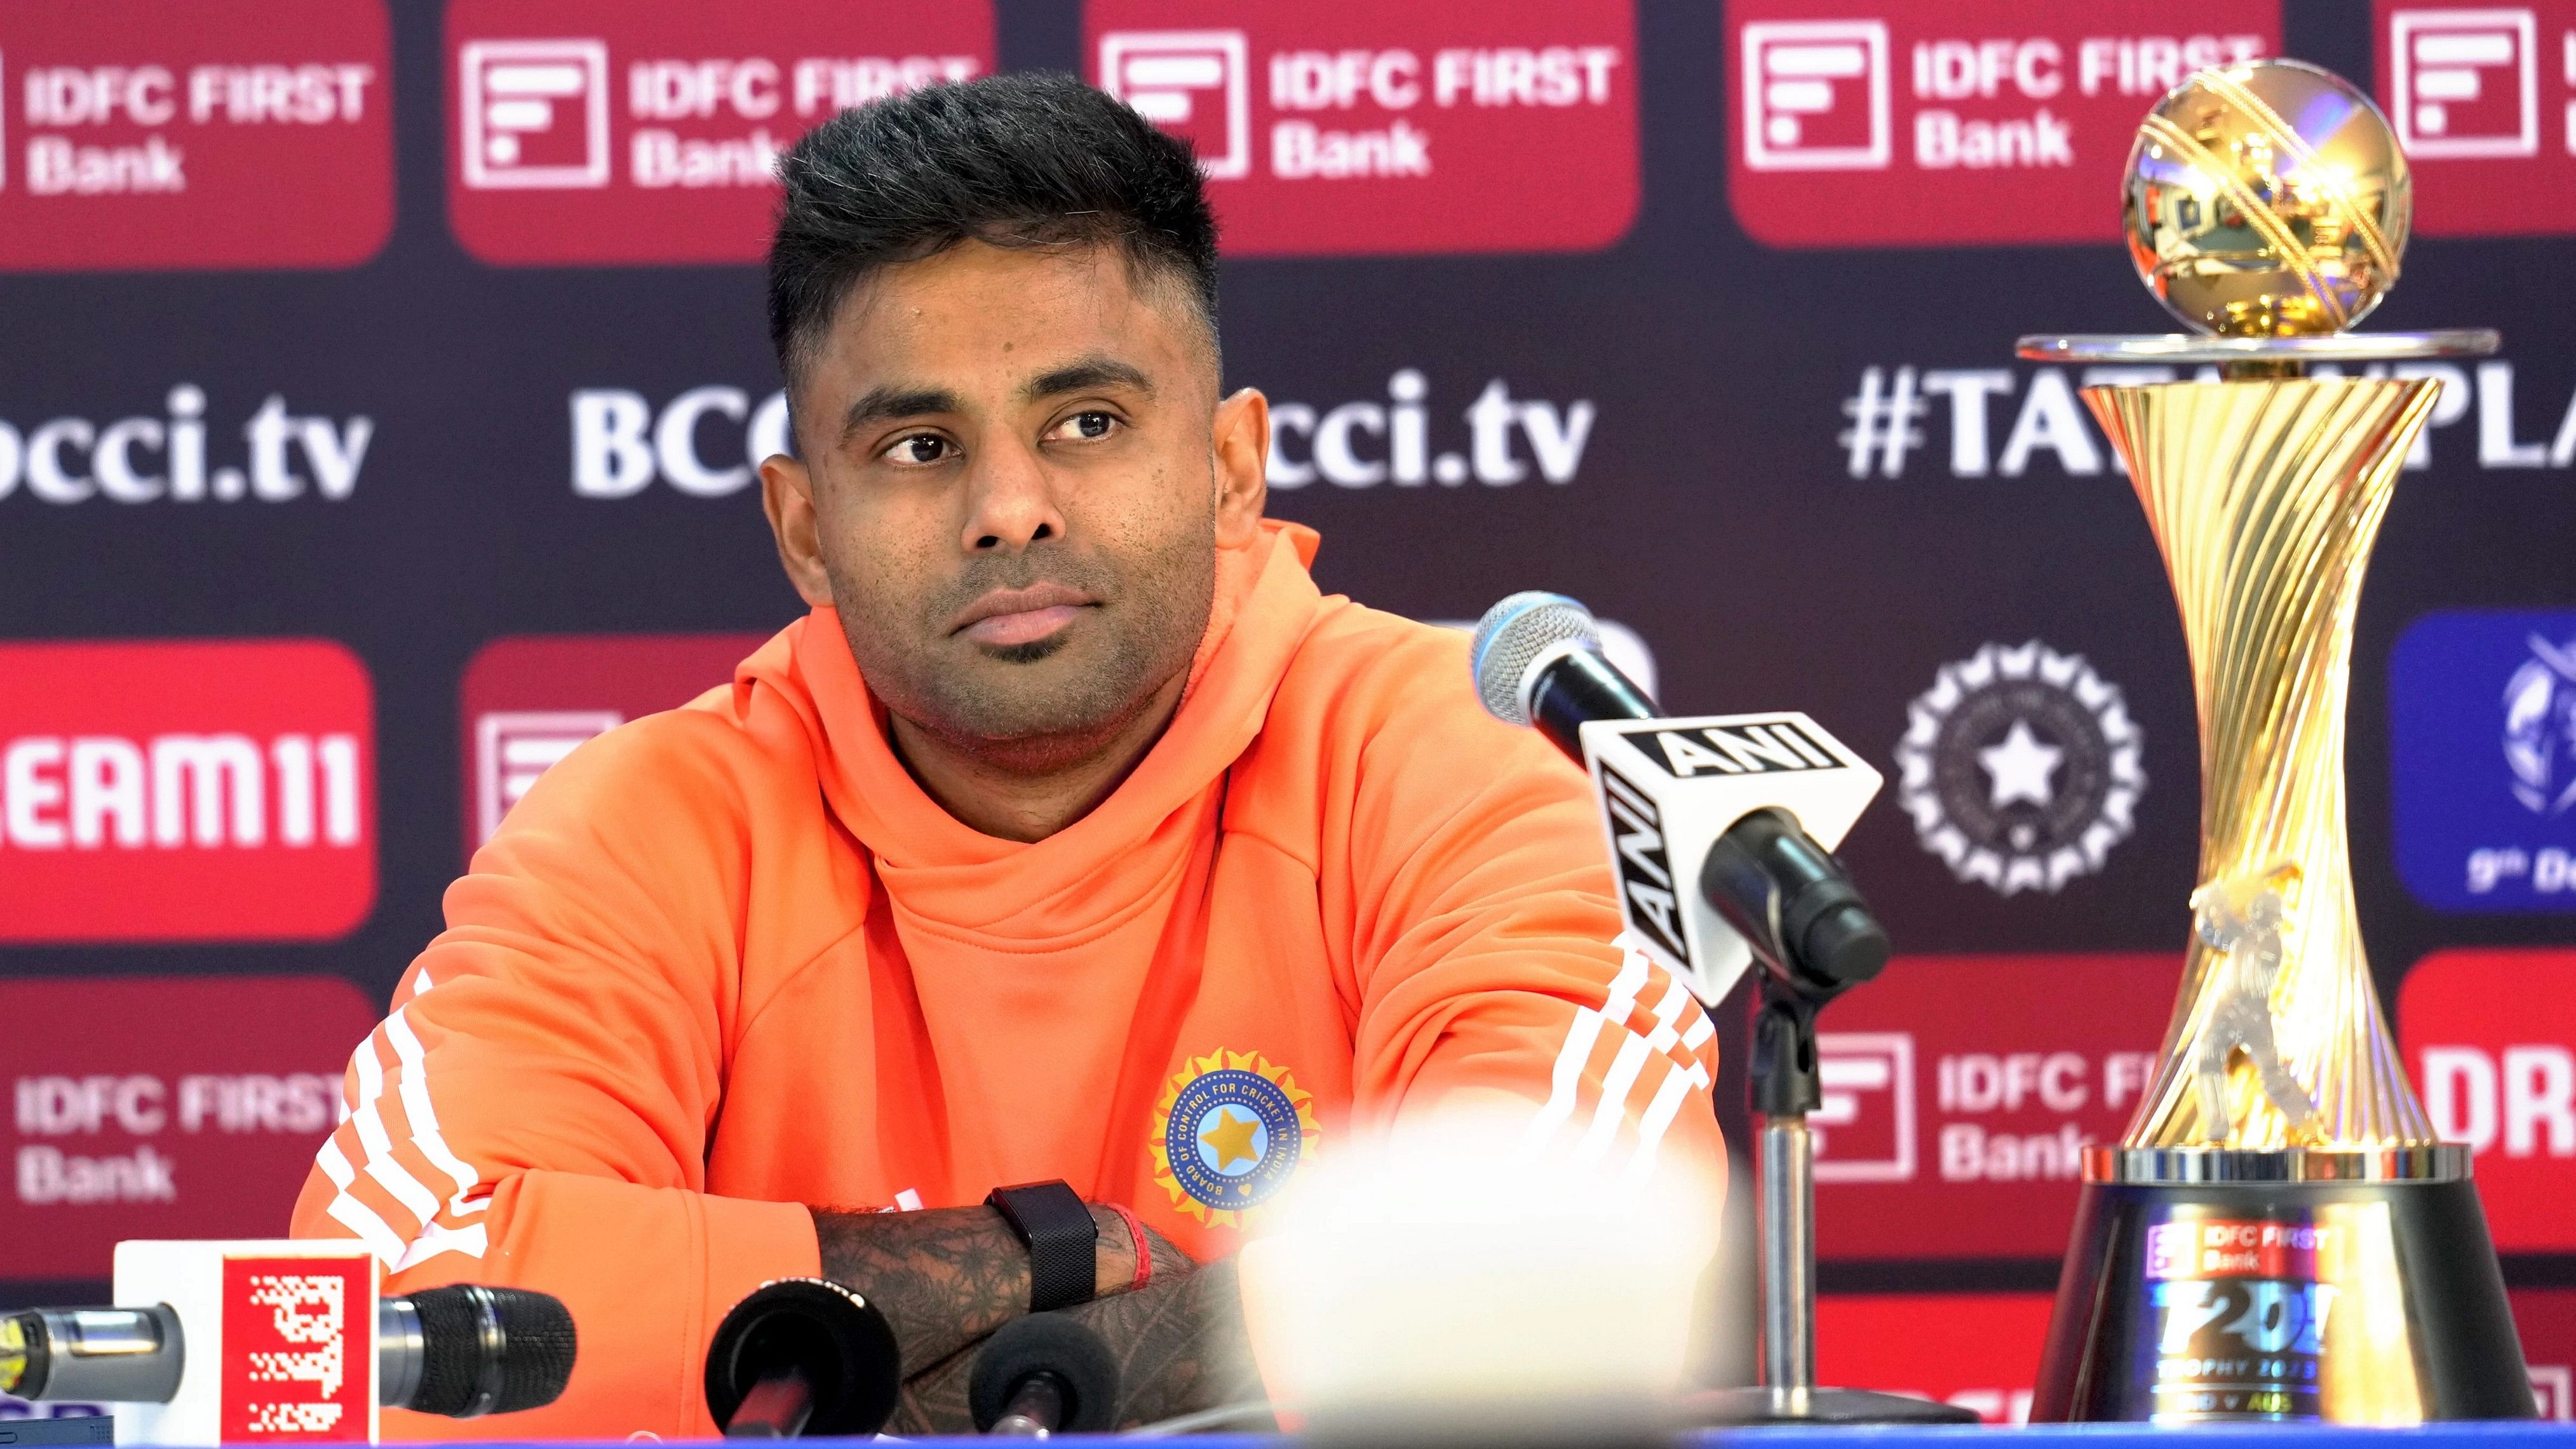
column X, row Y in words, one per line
column 1180, row 1347
column 945, row 1277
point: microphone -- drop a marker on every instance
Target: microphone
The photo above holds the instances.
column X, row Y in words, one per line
column 460, row 1352
column 1041, row 1375
column 803, row 1357
column 465, row 1351
column 1748, row 805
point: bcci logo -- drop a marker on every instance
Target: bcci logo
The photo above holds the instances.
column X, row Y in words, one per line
column 1229, row 1131
column 2020, row 768
column 2540, row 728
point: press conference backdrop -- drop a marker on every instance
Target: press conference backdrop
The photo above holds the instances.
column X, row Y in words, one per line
column 380, row 385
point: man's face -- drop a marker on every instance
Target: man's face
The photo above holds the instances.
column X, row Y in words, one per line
column 1015, row 501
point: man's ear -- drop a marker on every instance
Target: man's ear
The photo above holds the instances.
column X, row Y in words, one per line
column 787, row 495
column 1242, row 445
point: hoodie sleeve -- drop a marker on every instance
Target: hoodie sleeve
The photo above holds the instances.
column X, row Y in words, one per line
column 535, row 1112
column 1485, row 946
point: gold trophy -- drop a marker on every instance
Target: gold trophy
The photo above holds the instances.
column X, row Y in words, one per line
column 2280, row 1236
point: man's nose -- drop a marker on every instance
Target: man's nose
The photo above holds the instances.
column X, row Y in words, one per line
column 1010, row 501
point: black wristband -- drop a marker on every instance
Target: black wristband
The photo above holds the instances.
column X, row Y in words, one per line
column 1063, row 1241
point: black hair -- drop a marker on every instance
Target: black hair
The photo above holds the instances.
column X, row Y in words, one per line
column 1011, row 160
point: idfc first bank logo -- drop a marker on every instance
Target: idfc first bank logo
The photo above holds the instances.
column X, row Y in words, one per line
column 645, row 131
column 2482, row 743
column 185, row 791
column 1338, row 127
column 179, row 134
column 1858, row 124
column 2484, row 100
column 530, row 701
column 1959, row 1094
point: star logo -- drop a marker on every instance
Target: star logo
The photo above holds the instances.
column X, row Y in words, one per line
column 2020, row 767
column 1228, row 1133
column 1232, row 1138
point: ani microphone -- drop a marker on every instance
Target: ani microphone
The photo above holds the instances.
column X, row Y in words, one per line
column 1720, row 826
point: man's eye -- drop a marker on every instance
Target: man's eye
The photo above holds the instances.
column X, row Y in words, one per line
column 919, row 448
column 1087, row 425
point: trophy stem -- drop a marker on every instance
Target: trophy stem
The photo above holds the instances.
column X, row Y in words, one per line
column 2265, row 497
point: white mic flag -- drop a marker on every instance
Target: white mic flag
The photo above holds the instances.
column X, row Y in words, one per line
column 1670, row 787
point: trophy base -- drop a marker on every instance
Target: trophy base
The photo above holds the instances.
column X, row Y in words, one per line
column 2373, row 1302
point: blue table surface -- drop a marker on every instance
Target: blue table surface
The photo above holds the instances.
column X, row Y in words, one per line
column 2091, row 1436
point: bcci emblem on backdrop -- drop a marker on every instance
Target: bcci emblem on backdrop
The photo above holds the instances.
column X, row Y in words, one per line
column 2020, row 768
column 1228, row 1133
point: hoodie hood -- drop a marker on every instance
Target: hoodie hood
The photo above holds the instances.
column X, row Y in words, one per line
column 949, row 878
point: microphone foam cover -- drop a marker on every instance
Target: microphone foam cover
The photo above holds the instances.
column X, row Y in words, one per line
column 839, row 1341
column 467, row 1331
column 1052, row 1343
column 1515, row 632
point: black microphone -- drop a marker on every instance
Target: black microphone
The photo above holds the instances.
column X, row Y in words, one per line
column 460, row 1352
column 466, row 1350
column 803, row 1357
column 1041, row 1375
column 1537, row 660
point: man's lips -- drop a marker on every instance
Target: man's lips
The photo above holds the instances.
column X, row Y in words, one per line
column 1006, row 617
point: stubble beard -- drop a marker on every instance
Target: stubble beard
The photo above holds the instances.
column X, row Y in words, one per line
column 1021, row 708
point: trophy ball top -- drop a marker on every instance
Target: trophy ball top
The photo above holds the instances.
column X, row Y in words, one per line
column 2267, row 200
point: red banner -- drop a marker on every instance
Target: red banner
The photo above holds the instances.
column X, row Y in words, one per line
column 2483, row 97
column 1341, row 127
column 1960, row 1091
column 185, row 791
column 1979, row 1351
column 530, row 702
column 299, row 1355
column 645, row 131
column 2547, row 1320
column 2490, row 1036
column 2002, row 121
column 181, row 135
column 163, row 1107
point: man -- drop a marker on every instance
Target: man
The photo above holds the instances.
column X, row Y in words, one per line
column 1073, row 836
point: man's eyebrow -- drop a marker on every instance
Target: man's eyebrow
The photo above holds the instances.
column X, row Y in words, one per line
column 1083, row 374
column 881, row 404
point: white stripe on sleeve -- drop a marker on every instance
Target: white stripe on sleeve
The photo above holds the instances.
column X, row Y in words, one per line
column 352, row 1214
column 1659, row 1115
column 1612, row 1109
column 396, row 1179
column 425, row 1135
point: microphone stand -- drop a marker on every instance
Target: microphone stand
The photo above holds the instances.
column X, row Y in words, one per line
column 1762, row 893
column 1784, row 1092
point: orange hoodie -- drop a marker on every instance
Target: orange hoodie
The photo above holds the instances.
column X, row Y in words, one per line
column 729, row 961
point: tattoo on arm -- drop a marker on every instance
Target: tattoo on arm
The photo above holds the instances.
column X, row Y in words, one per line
column 934, row 1400
column 1180, row 1347
column 946, row 1277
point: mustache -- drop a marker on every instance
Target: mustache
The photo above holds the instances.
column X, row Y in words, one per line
column 984, row 574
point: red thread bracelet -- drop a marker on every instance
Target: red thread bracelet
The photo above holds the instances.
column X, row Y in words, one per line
column 1135, row 1235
